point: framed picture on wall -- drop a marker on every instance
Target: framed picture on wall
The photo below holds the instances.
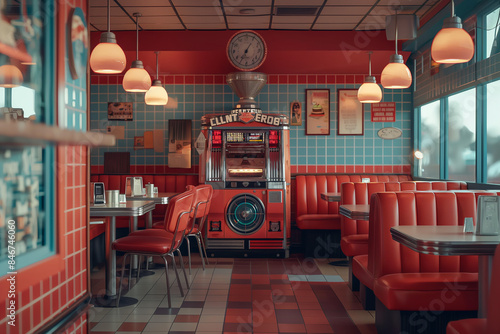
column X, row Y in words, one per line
column 318, row 112
column 120, row 111
column 350, row 115
column 295, row 113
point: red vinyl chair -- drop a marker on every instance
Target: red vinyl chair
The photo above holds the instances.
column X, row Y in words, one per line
column 178, row 219
column 204, row 194
column 490, row 325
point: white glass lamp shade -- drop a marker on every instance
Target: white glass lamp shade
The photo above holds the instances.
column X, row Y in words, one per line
column 136, row 79
column 10, row 76
column 108, row 57
column 396, row 74
column 156, row 95
column 370, row 91
column 452, row 44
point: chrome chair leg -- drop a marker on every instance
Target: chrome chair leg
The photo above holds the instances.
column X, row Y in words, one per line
column 189, row 252
column 200, row 251
column 182, row 267
column 203, row 245
column 121, row 279
column 177, row 275
column 130, row 261
column 168, row 283
column 138, row 268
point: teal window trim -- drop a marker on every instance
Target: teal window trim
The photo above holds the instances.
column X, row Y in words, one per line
column 443, row 142
column 481, row 134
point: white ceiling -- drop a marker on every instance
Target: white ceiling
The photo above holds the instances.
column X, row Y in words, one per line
column 228, row 14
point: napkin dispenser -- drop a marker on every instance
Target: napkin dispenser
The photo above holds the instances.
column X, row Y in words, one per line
column 98, row 193
column 488, row 215
column 133, row 186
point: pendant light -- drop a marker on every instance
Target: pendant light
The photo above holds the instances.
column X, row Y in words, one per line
column 452, row 44
column 396, row 74
column 370, row 91
column 108, row 57
column 10, row 76
column 136, row 79
column 156, row 95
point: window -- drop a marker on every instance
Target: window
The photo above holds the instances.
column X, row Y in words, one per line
column 26, row 173
column 492, row 32
column 461, row 143
column 493, row 132
column 429, row 139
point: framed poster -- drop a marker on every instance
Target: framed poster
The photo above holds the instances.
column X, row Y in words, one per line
column 295, row 113
column 78, row 43
column 350, row 115
column 318, row 112
column 120, row 111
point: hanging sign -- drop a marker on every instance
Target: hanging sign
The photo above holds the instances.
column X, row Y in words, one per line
column 384, row 112
column 246, row 118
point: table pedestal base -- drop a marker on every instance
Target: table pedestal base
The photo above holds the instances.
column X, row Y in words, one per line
column 110, row 301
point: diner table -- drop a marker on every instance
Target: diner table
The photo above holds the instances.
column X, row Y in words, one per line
column 160, row 198
column 355, row 211
column 451, row 240
column 331, row 197
column 129, row 209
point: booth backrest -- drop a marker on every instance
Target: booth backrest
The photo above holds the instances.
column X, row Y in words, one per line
column 360, row 193
column 311, row 186
column 388, row 209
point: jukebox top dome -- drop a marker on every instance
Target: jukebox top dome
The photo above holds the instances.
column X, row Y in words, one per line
column 247, row 85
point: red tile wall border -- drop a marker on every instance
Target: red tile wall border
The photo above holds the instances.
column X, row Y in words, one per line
column 204, row 79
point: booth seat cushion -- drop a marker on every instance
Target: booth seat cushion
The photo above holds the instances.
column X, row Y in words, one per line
column 354, row 244
column 467, row 326
column 361, row 271
column 412, row 291
column 308, row 195
column 319, row 222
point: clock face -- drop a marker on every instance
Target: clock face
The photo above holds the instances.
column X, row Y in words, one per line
column 246, row 50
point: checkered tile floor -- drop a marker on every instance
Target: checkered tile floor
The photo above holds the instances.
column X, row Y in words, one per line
column 294, row 295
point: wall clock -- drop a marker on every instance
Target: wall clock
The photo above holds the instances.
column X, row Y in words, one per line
column 246, row 50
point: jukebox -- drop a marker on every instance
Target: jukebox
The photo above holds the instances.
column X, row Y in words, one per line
column 246, row 160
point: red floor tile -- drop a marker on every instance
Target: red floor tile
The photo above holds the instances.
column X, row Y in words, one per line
column 265, row 327
column 132, row 326
column 187, row 318
column 291, row 328
column 316, row 328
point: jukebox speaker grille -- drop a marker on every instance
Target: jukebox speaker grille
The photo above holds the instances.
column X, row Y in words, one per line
column 245, row 214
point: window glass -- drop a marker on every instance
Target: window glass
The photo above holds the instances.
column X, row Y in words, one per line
column 24, row 98
column 493, row 131
column 461, row 143
column 429, row 139
column 492, row 32
column 26, row 186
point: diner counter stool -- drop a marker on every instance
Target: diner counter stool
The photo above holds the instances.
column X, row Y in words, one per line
column 490, row 325
column 179, row 217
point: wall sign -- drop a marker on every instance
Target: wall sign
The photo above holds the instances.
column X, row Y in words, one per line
column 350, row 113
column 384, row 112
column 389, row 133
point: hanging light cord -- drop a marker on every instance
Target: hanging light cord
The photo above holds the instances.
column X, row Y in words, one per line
column 452, row 8
column 396, row 32
column 137, row 36
column 370, row 63
column 157, row 53
column 109, row 17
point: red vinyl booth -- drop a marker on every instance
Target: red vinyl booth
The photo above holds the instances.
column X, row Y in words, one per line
column 354, row 233
column 315, row 215
column 408, row 285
